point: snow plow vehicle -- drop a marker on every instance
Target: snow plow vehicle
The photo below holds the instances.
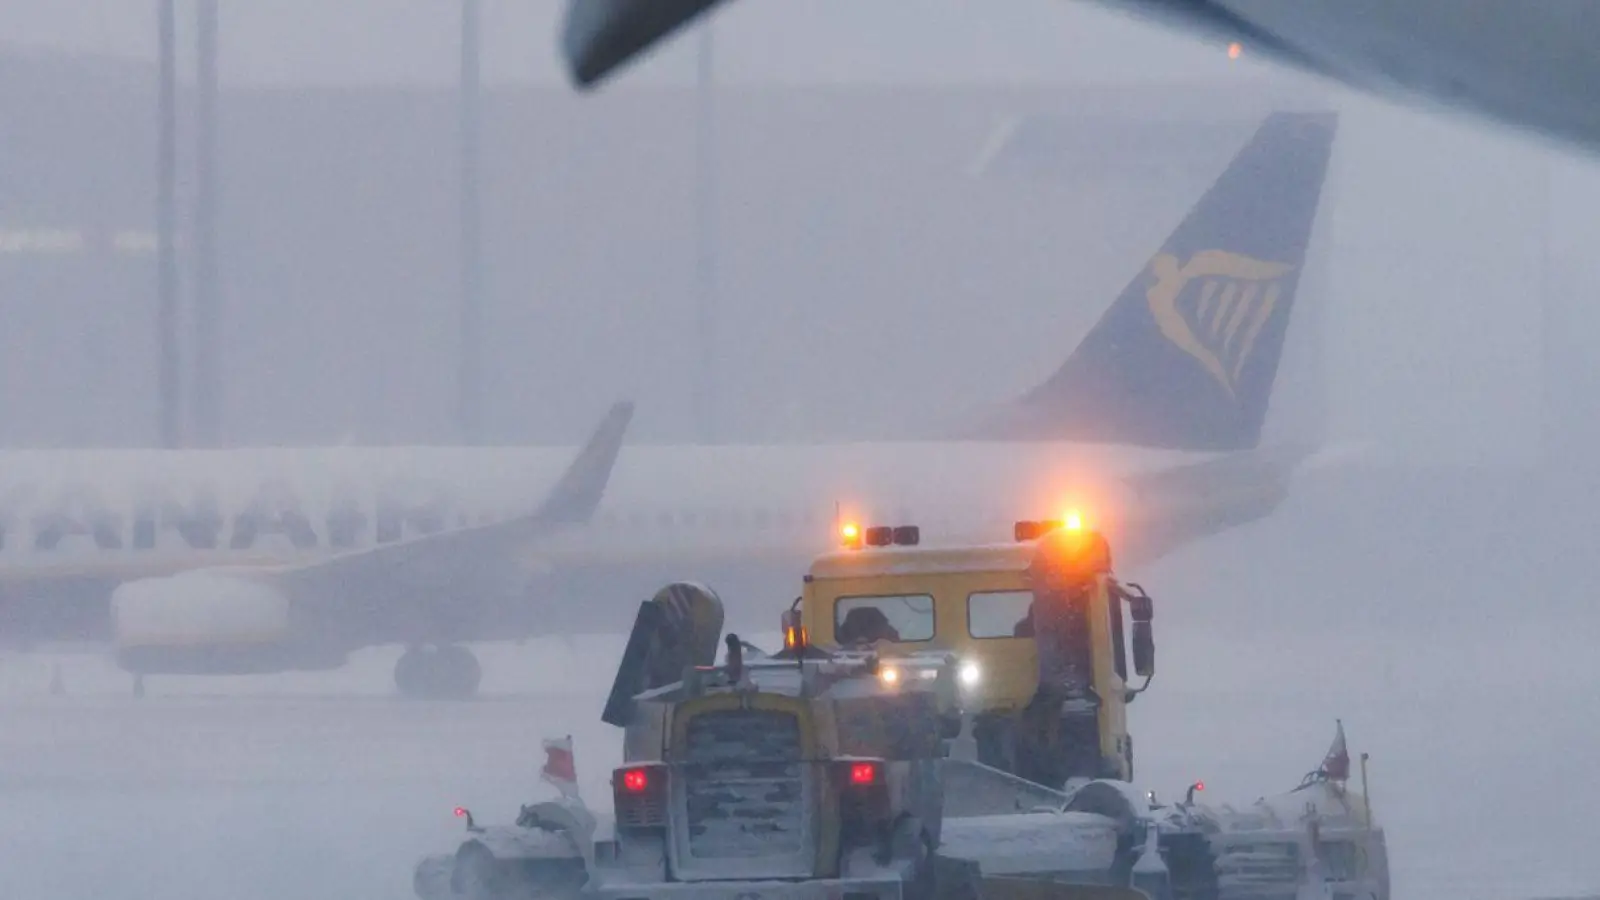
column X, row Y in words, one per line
column 908, row 762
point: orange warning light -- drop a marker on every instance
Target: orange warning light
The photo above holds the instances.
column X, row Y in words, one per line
column 1234, row 49
column 850, row 534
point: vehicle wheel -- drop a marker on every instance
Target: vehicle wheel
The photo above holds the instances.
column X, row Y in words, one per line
column 925, row 884
column 990, row 737
column 910, row 841
column 1192, row 867
column 478, row 876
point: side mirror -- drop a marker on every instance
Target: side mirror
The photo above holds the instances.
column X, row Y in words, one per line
column 463, row 813
column 1141, row 609
column 1144, row 650
column 795, row 640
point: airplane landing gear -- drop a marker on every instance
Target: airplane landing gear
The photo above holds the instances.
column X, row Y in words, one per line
column 430, row 672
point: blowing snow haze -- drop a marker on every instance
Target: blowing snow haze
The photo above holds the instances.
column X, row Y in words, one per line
column 1433, row 226
column 901, row 231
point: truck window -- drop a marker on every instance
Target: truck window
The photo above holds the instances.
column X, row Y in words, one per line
column 892, row 617
column 998, row 614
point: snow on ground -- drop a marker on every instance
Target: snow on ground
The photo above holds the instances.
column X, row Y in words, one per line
column 329, row 795
column 1465, row 674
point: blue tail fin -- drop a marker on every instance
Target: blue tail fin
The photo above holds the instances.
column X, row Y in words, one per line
column 1186, row 357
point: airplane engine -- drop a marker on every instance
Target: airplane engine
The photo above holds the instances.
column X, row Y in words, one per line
column 203, row 622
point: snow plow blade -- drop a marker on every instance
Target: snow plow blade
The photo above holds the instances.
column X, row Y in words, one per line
column 1010, row 887
column 960, row 879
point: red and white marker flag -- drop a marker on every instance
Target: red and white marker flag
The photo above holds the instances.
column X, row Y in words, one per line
column 559, row 767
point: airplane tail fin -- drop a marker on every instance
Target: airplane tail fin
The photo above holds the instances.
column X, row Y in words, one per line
column 1187, row 356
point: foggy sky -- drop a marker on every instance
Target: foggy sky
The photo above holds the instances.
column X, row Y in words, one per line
column 1440, row 236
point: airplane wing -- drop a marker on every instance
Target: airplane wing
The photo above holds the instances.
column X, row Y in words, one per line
column 600, row 36
column 1531, row 66
column 459, row 555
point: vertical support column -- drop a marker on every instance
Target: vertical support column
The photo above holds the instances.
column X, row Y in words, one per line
column 470, row 363
column 1563, row 379
column 207, row 387
column 168, row 398
column 706, row 401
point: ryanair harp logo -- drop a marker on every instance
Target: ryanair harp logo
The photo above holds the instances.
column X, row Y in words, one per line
column 1214, row 306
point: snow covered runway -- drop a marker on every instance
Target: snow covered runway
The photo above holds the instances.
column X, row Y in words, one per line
column 1477, row 713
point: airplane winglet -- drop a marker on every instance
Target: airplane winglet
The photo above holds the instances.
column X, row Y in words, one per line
column 443, row 555
column 576, row 495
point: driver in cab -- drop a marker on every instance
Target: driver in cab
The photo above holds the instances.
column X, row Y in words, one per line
column 865, row 625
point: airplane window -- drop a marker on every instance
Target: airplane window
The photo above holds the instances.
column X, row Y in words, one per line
column 997, row 614
column 664, row 519
column 689, row 519
column 762, row 519
column 899, row 618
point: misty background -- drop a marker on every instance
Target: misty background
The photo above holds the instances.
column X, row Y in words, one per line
column 905, row 222
column 920, row 206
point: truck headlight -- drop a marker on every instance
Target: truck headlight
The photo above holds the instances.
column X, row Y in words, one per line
column 970, row 674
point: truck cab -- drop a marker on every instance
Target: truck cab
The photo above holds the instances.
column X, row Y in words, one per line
column 1037, row 626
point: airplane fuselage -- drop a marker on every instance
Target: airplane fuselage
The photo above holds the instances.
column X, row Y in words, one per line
column 111, row 512
column 83, row 527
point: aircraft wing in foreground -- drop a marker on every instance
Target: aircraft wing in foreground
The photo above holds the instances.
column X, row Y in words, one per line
column 1529, row 65
column 599, row 36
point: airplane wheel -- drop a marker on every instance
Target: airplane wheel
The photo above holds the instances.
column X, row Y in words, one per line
column 465, row 671
column 451, row 672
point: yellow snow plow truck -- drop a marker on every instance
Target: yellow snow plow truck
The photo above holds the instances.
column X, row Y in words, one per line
column 908, row 763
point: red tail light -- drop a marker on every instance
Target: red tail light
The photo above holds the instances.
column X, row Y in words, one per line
column 640, row 796
column 857, row 774
column 864, row 807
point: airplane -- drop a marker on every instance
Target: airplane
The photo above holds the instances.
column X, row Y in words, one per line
column 1530, row 65
column 267, row 560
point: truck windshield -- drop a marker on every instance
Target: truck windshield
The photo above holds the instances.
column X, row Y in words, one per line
column 887, row 617
column 998, row 614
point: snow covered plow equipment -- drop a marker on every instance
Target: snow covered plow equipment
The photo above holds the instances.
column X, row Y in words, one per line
column 964, row 738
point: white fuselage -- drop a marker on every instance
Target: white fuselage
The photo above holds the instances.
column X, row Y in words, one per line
column 130, row 513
